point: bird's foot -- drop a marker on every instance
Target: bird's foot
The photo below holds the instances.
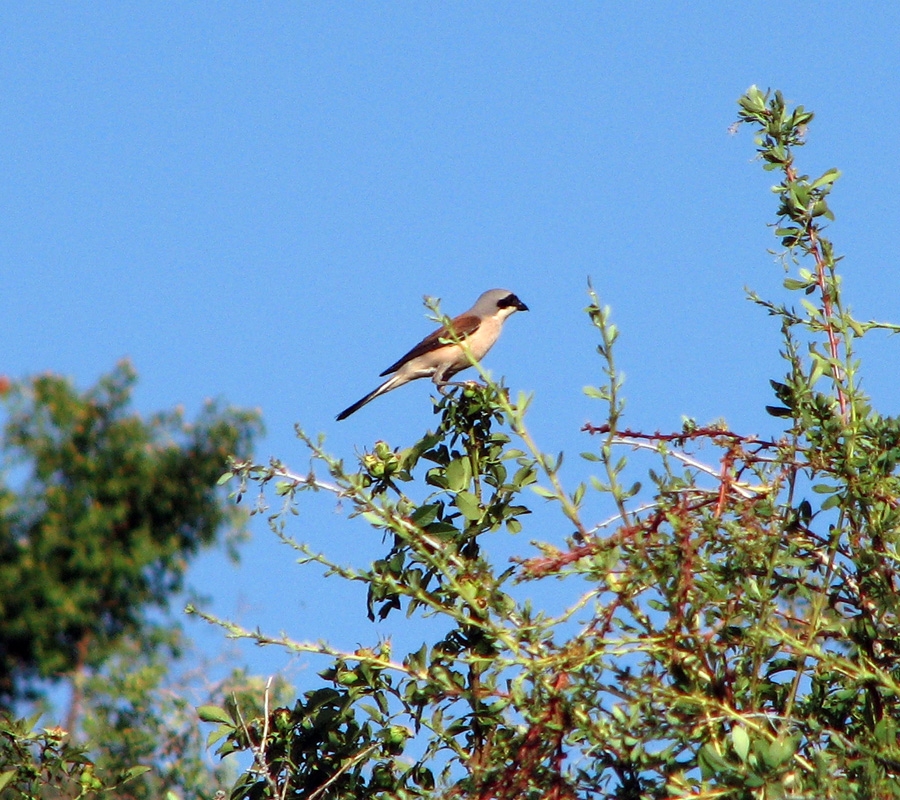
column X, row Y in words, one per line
column 443, row 385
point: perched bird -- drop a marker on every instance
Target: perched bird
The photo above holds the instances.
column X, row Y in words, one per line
column 440, row 360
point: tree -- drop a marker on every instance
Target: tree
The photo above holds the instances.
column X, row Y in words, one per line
column 100, row 513
column 38, row 764
column 142, row 711
column 142, row 741
column 732, row 630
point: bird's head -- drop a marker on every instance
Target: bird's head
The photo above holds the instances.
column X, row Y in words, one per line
column 498, row 303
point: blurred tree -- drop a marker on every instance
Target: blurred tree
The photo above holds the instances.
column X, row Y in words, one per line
column 100, row 512
column 142, row 712
column 140, row 731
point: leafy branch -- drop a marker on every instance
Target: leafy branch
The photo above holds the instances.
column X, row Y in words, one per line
column 727, row 630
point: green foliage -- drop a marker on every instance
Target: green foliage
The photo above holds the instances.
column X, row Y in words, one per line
column 142, row 737
column 38, row 764
column 142, row 710
column 731, row 631
column 100, row 528
column 100, row 512
column 142, row 740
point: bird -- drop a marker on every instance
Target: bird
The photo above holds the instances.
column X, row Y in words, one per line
column 438, row 357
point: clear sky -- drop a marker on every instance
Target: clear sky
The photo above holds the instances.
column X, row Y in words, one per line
column 250, row 200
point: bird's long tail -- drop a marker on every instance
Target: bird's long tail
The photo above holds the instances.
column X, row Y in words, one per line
column 391, row 383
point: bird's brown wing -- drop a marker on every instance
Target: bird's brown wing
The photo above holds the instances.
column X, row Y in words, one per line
column 463, row 325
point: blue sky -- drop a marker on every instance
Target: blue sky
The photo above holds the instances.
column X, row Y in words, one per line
column 250, row 201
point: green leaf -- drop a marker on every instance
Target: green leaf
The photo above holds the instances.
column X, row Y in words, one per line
column 6, row 777
column 218, row 733
column 424, row 515
column 468, row 505
column 818, row 369
column 711, row 762
column 439, row 528
column 597, row 394
column 214, row 714
column 578, row 494
column 827, row 178
column 740, row 741
column 832, row 502
column 779, row 752
column 459, row 474
column 856, row 327
column 813, row 312
column 886, row 731
column 524, row 476
column 134, row 772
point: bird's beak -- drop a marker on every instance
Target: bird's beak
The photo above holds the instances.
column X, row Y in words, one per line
column 520, row 306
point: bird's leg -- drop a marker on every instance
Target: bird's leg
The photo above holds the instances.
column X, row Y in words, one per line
column 442, row 385
column 440, row 380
